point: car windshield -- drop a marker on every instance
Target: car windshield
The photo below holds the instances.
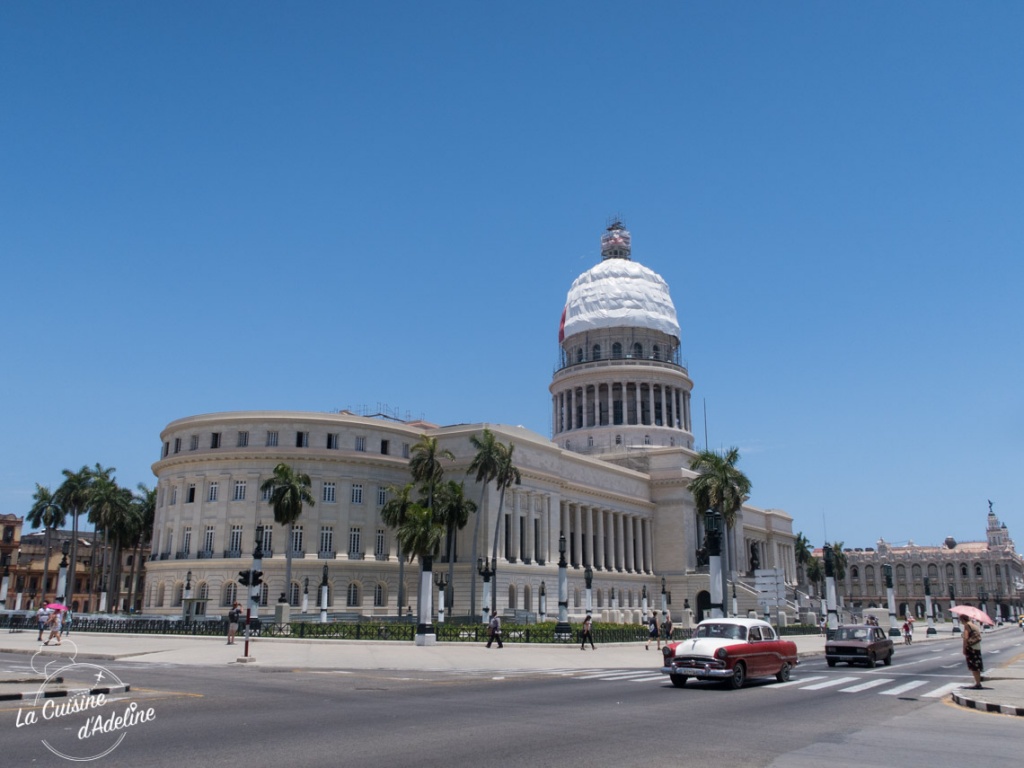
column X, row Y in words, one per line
column 730, row 631
column 851, row 633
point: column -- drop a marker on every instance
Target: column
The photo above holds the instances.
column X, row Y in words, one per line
column 611, row 403
column 583, row 400
column 664, row 408
column 588, row 536
column 627, row 524
column 636, row 403
column 638, row 551
column 619, row 548
column 599, row 559
column 577, row 537
column 514, row 526
column 530, row 547
column 648, row 551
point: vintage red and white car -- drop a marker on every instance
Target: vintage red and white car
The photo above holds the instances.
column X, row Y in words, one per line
column 730, row 650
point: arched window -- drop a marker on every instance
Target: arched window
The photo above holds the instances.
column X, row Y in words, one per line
column 595, row 352
column 638, row 350
column 933, row 572
column 527, row 598
column 380, row 595
column 617, row 350
column 512, row 605
column 854, row 572
column 901, row 573
column 579, row 355
column 353, row 598
column 179, row 592
column 977, row 570
column 656, row 352
column 915, row 572
column 295, row 594
column 949, row 572
column 160, row 596
column 998, row 572
column 230, row 594
column 963, row 570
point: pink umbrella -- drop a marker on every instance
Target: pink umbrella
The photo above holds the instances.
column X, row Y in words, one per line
column 56, row 607
column 972, row 613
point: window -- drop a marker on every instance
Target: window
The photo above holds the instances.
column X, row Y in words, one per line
column 616, row 350
column 357, row 493
column 302, row 439
column 215, row 440
column 379, row 596
column 382, row 495
column 360, row 443
column 329, row 493
column 272, row 438
column 595, row 352
column 384, row 447
column 265, row 494
column 579, row 355
column 656, row 352
column 174, row 495
column 380, row 549
column 963, row 570
column 186, row 540
column 212, row 495
column 327, row 538
column 236, row 538
column 264, row 595
column 977, row 570
column 293, row 594
column 190, row 495
column 405, row 450
column 638, row 350
column 354, row 541
column 297, row 539
column 193, row 443
column 243, row 439
column 332, row 442
column 208, row 538
column 353, row 599
column 239, row 490
column 166, row 450
column 230, row 593
column 177, row 445
column 268, row 540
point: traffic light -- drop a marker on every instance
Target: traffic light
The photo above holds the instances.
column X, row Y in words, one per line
column 257, row 578
column 243, row 578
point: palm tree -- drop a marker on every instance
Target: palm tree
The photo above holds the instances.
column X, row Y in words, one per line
column 507, row 473
column 720, row 485
column 452, row 511
column 421, row 534
column 815, row 572
column 45, row 514
column 124, row 530
column 287, row 491
column 108, row 505
column 393, row 515
column 425, row 465
column 485, row 464
column 74, row 495
column 802, row 553
column 144, row 503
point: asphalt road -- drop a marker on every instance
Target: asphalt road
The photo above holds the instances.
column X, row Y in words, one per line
column 248, row 716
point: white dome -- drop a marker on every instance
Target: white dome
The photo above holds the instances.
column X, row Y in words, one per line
column 619, row 293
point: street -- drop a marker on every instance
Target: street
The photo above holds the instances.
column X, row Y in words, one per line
column 258, row 716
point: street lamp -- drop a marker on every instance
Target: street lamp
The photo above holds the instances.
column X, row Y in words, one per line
column 483, row 567
column 441, row 580
column 62, row 575
column 716, row 573
column 323, row 597
column 562, row 628
column 187, row 602
column 643, row 603
column 588, row 577
column 830, row 589
column 305, row 595
column 928, row 606
column 543, row 603
column 952, row 605
column 664, row 599
column 424, row 626
column 894, row 630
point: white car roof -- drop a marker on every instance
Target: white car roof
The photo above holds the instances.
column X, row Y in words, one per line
column 738, row 622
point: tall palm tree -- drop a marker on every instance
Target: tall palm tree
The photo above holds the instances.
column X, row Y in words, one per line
column 74, row 495
column 485, row 464
column 720, row 485
column 815, row 573
column 108, row 505
column 145, row 512
column 839, row 561
column 393, row 515
column 802, row 554
column 288, row 491
column 123, row 532
column 45, row 514
column 506, row 475
column 425, row 465
column 421, row 535
column 452, row 509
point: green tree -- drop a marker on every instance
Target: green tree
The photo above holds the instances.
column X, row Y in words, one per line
column 506, row 475
column 144, row 502
column 288, row 491
column 815, row 573
column 452, row 509
column 839, row 561
column 74, row 495
column 421, row 534
column 45, row 514
column 109, row 506
column 425, row 465
column 802, row 553
column 720, row 486
column 393, row 514
column 485, row 464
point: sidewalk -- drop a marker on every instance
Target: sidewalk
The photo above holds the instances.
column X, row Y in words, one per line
column 1006, row 693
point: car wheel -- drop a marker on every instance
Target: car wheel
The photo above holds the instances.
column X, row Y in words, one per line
column 888, row 659
column 739, row 676
column 871, row 662
column 831, row 662
column 783, row 674
column 678, row 680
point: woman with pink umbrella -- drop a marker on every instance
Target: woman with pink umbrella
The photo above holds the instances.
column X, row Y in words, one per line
column 972, row 639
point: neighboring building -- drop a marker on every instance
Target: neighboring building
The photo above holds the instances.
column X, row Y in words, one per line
column 987, row 574
column 10, row 541
column 613, row 480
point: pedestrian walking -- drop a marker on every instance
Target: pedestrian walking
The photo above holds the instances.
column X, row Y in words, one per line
column 234, row 615
column 587, row 634
column 652, row 632
column 53, row 625
column 666, row 628
column 65, row 625
column 908, row 632
column 42, row 615
column 972, row 650
column 494, row 630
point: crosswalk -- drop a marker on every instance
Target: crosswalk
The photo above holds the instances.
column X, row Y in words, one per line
column 926, row 688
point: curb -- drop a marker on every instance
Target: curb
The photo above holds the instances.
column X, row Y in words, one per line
column 985, row 706
column 23, row 696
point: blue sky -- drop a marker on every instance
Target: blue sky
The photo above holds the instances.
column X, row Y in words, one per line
column 227, row 206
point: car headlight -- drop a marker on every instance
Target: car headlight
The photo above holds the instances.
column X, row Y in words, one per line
column 667, row 652
column 721, row 654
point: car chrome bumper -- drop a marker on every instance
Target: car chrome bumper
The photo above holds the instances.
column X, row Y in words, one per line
column 700, row 673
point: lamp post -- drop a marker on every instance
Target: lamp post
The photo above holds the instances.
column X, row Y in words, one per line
column 424, row 627
column 562, row 628
column 186, row 603
column 952, row 605
column 928, row 606
column 664, row 599
column 712, row 522
column 19, row 592
column 483, row 567
column 62, row 574
column 983, row 600
column 832, row 623
column 588, row 578
column 543, row 603
column 894, row 629
column 305, row 595
column 643, row 603
column 441, row 580
column 323, row 597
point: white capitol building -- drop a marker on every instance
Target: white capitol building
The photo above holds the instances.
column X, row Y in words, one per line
column 612, row 477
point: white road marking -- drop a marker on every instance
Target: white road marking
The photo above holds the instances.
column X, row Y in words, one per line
column 829, row 683
column 903, row 688
column 868, row 684
column 794, row 682
column 941, row 691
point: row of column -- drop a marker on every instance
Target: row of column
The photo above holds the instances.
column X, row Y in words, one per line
column 526, row 533
column 606, row 539
column 574, row 408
